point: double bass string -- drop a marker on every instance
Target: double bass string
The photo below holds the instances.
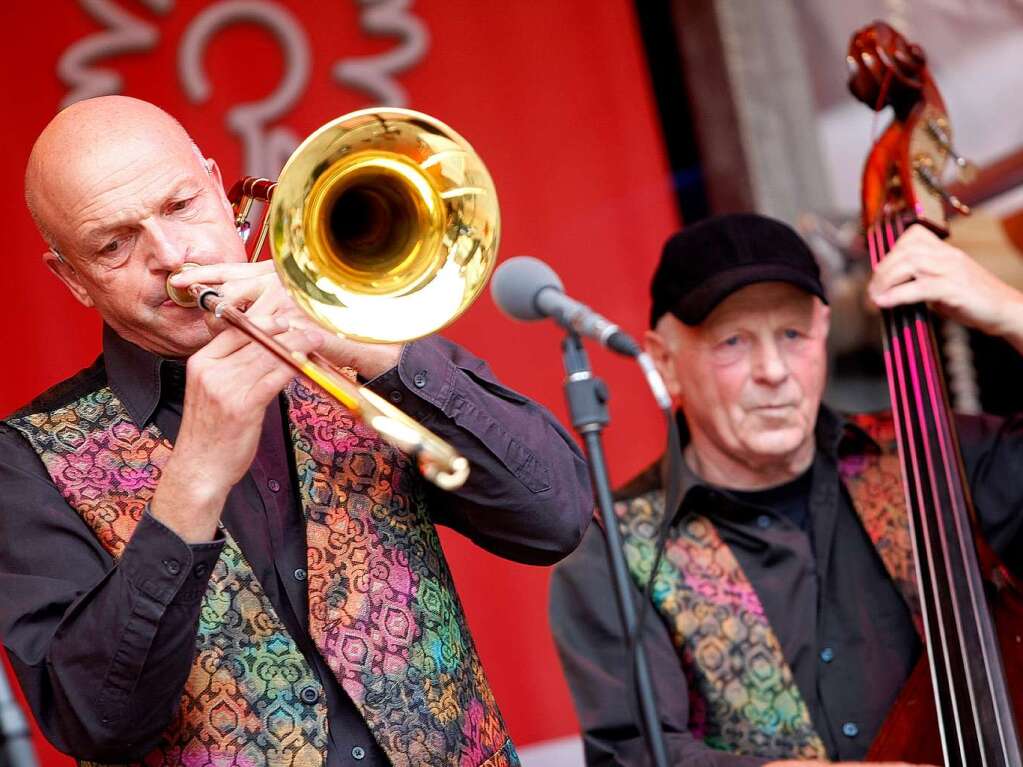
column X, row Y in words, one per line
column 900, row 359
column 988, row 698
column 914, row 323
column 968, row 694
column 958, row 504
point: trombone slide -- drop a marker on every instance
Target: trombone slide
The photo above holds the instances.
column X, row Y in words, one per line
column 438, row 461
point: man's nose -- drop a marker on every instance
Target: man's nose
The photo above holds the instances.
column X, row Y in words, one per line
column 769, row 365
column 167, row 251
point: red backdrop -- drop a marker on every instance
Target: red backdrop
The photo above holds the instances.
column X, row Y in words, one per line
column 554, row 96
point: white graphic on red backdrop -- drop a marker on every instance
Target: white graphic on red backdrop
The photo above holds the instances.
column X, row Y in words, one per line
column 122, row 33
column 374, row 75
column 265, row 144
column 264, row 148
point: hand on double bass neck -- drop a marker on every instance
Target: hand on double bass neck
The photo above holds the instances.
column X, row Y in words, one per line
column 923, row 268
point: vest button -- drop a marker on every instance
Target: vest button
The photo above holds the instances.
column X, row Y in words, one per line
column 395, row 396
column 850, row 730
column 274, row 485
column 309, row 694
column 763, row 521
column 300, row 574
column 827, row 655
column 358, row 753
column 172, row 566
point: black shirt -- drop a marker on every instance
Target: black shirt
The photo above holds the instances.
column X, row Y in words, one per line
column 88, row 637
column 790, row 500
column 844, row 628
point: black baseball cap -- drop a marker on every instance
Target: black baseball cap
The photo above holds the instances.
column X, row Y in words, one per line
column 705, row 263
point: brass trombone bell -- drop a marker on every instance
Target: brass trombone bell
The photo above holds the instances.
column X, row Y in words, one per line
column 384, row 225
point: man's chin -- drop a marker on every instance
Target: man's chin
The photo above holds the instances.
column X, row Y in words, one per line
column 182, row 344
column 778, row 442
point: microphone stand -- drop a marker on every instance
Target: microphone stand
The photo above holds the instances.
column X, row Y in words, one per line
column 587, row 403
column 15, row 738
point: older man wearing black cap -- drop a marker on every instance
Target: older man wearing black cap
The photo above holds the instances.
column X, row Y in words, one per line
column 777, row 631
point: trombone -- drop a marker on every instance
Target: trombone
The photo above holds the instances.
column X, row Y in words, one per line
column 383, row 227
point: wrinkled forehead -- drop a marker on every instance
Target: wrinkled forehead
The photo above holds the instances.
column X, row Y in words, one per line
column 101, row 174
column 93, row 163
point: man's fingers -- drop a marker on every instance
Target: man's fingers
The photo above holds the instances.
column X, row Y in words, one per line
column 260, row 293
column 254, row 359
column 247, row 291
column 913, row 292
column 232, row 339
column 267, row 374
column 217, row 274
column 915, row 261
column 268, row 386
column 251, row 374
column 918, row 233
column 894, row 270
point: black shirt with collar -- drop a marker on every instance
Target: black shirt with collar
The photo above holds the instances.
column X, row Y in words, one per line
column 844, row 629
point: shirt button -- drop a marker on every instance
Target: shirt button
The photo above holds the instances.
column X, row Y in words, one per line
column 309, row 694
column 201, row 570
column 358, row 753
column 763, row 521
column 827, row 655
column 419, row 379
column 850, row 730
column 395, row 397
column 300, row 574
column 172, row 566
column 274, row 485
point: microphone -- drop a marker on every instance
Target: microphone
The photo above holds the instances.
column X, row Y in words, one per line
column 525, row 288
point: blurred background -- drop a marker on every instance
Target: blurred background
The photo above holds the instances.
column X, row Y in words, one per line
column 605, row 125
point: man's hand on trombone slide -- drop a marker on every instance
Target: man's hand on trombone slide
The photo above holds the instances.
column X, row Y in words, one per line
column 256, row 288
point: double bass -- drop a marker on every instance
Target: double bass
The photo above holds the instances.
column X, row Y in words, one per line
column 957, row 707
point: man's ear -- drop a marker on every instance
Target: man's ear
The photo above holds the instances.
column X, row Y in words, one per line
column 826, row 317
column 67, row 274
column 822, row 318
column 660, row 351
column 218, row 183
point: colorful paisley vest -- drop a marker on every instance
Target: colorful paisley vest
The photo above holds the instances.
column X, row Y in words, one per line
column 743, row 697
column 382, row 605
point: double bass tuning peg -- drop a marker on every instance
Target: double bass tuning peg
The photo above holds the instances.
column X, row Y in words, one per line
column 924, row 168
column 966, row 171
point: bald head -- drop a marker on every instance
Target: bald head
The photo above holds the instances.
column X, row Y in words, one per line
column 91, row 139
column 123, row 196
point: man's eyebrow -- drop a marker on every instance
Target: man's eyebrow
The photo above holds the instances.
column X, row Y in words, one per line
column 94, row 236
column 187, row 188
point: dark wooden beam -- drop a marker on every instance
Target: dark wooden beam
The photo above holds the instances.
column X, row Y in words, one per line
column 999, row 177
column 712, row 105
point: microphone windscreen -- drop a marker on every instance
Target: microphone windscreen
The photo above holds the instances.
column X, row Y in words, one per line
column 516, row 283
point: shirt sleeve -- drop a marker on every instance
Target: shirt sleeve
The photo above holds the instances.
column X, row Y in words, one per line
column 590, row 641
column 992, row 450
column 102, row 649
column 528, row 495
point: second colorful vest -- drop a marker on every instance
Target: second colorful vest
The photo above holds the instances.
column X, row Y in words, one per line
column 743, row 697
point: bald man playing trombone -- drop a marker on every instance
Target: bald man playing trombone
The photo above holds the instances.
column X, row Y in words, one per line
column 203, row 560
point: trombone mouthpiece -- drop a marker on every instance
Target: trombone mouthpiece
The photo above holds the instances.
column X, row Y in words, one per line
column 181, row 296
